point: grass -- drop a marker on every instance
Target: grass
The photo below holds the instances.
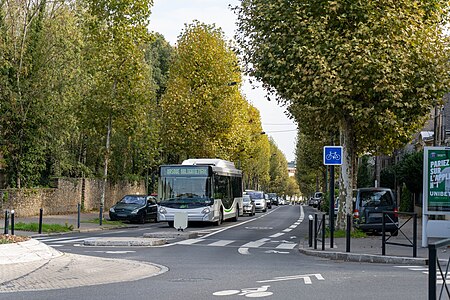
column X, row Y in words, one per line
column 104, row 222
column 47, row 228
column 355, row 234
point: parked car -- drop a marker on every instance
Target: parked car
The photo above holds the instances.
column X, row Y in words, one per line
column 134, row 208
column 249, row 205
column 368, row 207
column 259, row 199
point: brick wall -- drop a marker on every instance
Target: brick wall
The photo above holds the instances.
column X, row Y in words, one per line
column 65, row 197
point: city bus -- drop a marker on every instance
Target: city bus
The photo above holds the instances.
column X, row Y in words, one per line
column 207, row 190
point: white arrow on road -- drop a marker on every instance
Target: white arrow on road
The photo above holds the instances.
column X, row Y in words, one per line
column 306, row 278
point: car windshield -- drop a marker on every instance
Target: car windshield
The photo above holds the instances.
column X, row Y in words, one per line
column 376, row 198
column 134, row 200
column 256, row 195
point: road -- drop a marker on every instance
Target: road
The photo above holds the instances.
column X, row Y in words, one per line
column 256, row 257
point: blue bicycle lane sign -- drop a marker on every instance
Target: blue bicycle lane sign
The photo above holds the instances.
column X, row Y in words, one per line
column 332, row 155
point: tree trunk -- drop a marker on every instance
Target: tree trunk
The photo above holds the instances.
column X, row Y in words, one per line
column 105, row 170
column 346, row 181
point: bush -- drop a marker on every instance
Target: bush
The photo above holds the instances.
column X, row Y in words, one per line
column 406, row 200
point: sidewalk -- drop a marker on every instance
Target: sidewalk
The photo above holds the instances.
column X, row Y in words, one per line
column 369, row 249
column 88, row 222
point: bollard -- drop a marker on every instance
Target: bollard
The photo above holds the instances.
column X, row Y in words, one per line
column 310, row 230
column 323, row 232
column 6, row 222
column 315, row 231
column 12, row 222
column 40, row 220
column 100, row 217
column 79, row 215
column 348, row 232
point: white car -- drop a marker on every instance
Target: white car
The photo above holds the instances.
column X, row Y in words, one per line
column 259, row 199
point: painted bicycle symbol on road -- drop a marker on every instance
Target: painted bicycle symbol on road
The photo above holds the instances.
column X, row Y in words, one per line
column 247, row 292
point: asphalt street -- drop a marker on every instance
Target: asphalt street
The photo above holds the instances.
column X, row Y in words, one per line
column 256, row 257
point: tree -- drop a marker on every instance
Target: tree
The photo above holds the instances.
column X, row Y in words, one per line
column 203, row 111
column 278, row 171
column 39, row 67
column 118, row 104
column 373, row 69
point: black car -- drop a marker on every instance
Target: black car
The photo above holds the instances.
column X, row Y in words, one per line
column 134, row 208
column 368, row 207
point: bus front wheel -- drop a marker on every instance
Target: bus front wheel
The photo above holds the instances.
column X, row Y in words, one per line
column 220, row 219
column 236, row 217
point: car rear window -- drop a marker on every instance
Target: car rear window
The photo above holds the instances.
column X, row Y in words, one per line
column 376, row 198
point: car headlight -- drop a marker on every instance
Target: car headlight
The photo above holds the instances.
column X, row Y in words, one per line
column 206, row 210
column 112, row 210
column 135, row 211
column 162, row 210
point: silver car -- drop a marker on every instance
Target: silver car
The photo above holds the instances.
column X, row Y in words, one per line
column 259, row 199
column 249, row 205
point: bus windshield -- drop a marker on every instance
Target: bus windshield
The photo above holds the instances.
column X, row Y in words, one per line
column 185, row 190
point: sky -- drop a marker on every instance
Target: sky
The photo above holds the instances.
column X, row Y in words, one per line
column 169, row 17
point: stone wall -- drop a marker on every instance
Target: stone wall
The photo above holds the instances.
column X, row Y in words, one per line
column 66, row 196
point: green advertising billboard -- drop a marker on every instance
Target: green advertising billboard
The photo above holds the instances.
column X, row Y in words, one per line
column 437, row 180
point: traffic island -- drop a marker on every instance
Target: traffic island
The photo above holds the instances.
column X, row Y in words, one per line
column 125, row 242
column 172, row 235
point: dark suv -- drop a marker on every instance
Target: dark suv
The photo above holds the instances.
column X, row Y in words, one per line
column 368, row 207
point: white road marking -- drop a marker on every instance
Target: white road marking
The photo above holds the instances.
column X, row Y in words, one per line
column 287, row 230
column 256, row 244
column 306, row 278
column 221, row 243
column 243, row 251
column 43, row 239
column 293, row 226
column 275, row 251
column 286, row 246
column 276, row 235
column 189, row 242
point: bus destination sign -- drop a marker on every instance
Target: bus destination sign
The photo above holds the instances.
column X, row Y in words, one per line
column 184, row 171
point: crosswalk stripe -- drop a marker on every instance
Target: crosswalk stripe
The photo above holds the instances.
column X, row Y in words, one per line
column 189, row 241
column 286, row 246
column 221, row 243
column 287, row 230
column 277, row 235
column 255, row 244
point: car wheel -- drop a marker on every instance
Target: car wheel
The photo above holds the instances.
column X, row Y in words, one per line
column 394, row 233
column 170, row 223
column 142, row 218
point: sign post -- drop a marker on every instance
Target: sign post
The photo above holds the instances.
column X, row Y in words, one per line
column 332, row 156
column 436, row 192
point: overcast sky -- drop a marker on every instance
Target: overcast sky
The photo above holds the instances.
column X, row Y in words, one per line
column 168, row 18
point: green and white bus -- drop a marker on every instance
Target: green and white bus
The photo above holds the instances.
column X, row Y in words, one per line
column 207, row 190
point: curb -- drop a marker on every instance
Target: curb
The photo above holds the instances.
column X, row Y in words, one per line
column 124, row 242
column 172, row 235
column 367, row 258
column 82, row 230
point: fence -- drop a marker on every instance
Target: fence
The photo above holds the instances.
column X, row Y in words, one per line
column 434, row 265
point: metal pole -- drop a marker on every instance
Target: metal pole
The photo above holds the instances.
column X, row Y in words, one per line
column 348, row 232
column 323, row 232
column 415, row 235
column 79, row 215
column 383, row 235
column 331, row 206
column 315, row 231
column 310, row 230
column 100, row 217
column 432, row 272
column 12, row 222
column 6, row 222
column 40, row 220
